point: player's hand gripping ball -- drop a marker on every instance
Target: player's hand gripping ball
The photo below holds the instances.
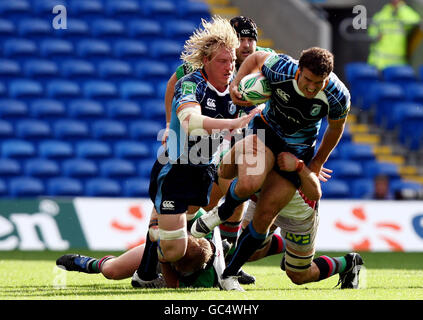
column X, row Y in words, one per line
column 255, row 88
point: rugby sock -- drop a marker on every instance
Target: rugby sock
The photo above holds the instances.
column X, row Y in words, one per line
column 249, row 241
column 95, row 265
column 277, row 245
column 231, row 202
column 147, row 269
column 230, row 231
column 329, row 266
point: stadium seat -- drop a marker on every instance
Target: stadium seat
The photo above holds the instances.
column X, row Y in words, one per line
column 56, row 48
column 92, row 149
column 6, row 129
column 26, row 187
column 414, row 92
column 166, row 50
column 145, row 129
column 99, row 90
column 7, row 29
column 47, row 109
column 85, row 109
column 86, row 9
column 34, row 28
column 152, row 70
column 9, row 168
column 16, row 7
column 13, row 109
column 117, row 169
column 347, row 170
column 93, row 49
column 105, row 28
column 411, row 127
column 160, row 10
column 146, row 29
column 123, row 9
column 102, row 187
column 131, row 150
column 403, row 188
column 63, row 89
column 108, row 130
column 136, row 187
column 400, row 74
column 2, row 90
column 145, row 166
column 355, row 151
column 193, row 11
column 79, row 168
column 401, row 112
column 41, row 168
column 153, row 109
column 19, row 48
column 130, row 50
column 335, row 189
column 40, row 69
column 75, row 30
column 77, row 69
column 375, row 168
column 179, row 30
column 362, row 188
column 359, row 76
column 136, row 90
column 25, row 89
column 114, row 70
column 32, row 129
column 55, row 149
column 122, row 109
column 70, row 130
column 9, row 68
column 17, row 149
column 44, row 7
column 63, row 186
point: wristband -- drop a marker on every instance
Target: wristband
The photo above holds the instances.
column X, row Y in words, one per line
column 299, row 166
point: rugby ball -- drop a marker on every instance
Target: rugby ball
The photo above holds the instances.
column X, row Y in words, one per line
column 255, row 88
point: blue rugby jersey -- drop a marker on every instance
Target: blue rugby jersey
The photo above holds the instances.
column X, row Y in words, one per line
column 194, row 88
column 293, row 117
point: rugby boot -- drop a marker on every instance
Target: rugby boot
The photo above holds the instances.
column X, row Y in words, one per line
column 230, row 283
column 75, row 262
column 204, row 224
column 349, row 278
column 137, row 282
column 245, row 278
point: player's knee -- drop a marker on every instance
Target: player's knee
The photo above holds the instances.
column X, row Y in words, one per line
column 247, row 185
column 171, row 252
column 297, row 278
column 109, row 271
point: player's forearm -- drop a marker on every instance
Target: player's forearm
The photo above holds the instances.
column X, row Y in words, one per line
column 329, row 142
column 170, row 89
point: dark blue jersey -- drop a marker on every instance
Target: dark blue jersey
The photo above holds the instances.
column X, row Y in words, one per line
column 295, row 118
column 194, row 88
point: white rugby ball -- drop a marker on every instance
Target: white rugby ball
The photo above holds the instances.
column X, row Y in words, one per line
column 255, row 88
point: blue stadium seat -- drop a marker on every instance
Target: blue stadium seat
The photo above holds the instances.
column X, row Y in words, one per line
column 25, row 89
column 145, row 129
column 411, row 127
column 93, row 49
column 9, row 68
column 79, row 168
column 114, row 70
column 17, row 149
column 400, row 74
column 131, row 150
column 161, row 89
column 372, row 169
column 40, row 69
column 9, row 168
column 85, row 109
column 404, row 187
column 63, row 89
column 70, row 130
column 56, row 48
column 44, row 7
column 105, row 28
column 359, row 76
column 100, row 90
column 194, row 11
column 41, row 168
column 16, row 8
column 362, row 188
column 123, row 9
column 26, row 187
column 335, row 189
column 102, row 187
column 130, row 50
column 414, row 92
column 47, row 109
column 159, row 9
column 179, row 30
column 152, row 70
column 347, row 170
column 6, row 129
column 7, row 29
column 136, row 187
column 75, row 30
column 136, row 90
column 92, row 149
column 108, row 130
column 117, row 169
column 32, row 129
column 2, row 90
column 13, row 109
column 355, row 151
column 166, row 50
column 77, row 69
column 145, row 166
column 19, row 48
column 86, row 9
column 34, row 28
column 55, row 149
column 63, row 186
column 122, row 109
column 146, row 29
column 153, row 109
column 401, row 112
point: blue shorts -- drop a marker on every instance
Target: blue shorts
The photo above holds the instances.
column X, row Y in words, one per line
column 277, row 145
column 174, row 187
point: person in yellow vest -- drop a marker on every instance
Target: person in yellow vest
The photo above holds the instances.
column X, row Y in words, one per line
column 389, row 29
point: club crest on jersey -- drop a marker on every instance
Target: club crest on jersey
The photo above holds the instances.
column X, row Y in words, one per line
column 315, row 109
column 232, row 108
column 283, row 95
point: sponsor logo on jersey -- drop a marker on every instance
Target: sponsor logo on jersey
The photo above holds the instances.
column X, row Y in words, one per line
column 211, row 104
column 283, row 95
column 188, row 87
column 168, row 205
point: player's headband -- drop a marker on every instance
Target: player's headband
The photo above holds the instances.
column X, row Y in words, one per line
column 244, row 27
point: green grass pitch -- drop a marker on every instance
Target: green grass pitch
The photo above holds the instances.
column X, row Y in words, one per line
column 34, row 276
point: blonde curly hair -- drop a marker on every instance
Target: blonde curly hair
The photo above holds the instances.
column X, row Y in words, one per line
column 205, row 41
